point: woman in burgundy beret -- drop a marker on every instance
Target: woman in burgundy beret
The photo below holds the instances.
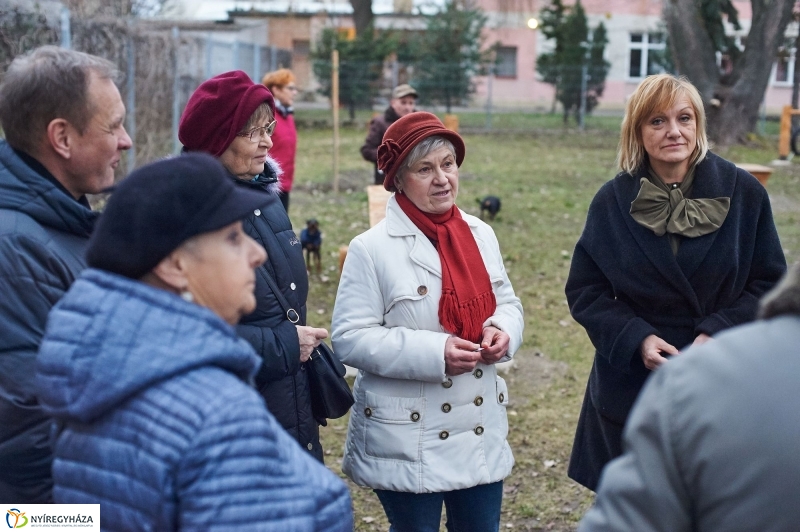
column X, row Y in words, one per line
column 233, row 119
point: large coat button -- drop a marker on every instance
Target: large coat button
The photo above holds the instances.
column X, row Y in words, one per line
column 444, row 435
column 448, row 383
column 446, row 408
column 478, row 401
column 422, row 290
column 478, row 430
column 478, row 373
column 367, row 411
column 310, row 446
column 257, row 212
column 293, row 286
column 502, row 397
column 415, row 416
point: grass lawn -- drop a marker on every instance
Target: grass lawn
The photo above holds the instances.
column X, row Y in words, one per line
column 546, row 180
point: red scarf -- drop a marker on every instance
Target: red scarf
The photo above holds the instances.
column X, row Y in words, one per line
column 467, row 298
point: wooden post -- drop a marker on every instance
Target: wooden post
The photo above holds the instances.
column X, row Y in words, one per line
column 786, row 132
column 335, row 104
column 451, row 122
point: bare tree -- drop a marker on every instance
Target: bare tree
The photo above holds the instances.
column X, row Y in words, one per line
column 362, row 15
column 115, row 8
column 732, row 98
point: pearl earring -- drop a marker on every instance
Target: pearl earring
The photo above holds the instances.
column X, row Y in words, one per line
column 187, row 296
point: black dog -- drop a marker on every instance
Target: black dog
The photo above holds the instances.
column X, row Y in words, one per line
column 490, row 204
column 311, row 240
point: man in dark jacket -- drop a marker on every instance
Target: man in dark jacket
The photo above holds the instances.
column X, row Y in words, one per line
column 404, row 98
column 62, row 117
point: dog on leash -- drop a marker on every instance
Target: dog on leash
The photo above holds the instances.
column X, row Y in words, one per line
column 490, row 204
column 311, row 240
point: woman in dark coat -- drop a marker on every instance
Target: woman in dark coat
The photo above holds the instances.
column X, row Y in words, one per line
column 233, row 118
column 678, row 247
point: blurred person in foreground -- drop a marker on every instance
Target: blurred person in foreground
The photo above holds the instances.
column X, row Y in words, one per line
column 282, row 85
column 425, row 310
column 143, row 370
column 712, row 441
column 62, row 117
column 233, row 119
column 404, row 100
column 676, row 248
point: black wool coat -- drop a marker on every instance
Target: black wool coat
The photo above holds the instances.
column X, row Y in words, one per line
column 282, row 381
column 625, row 284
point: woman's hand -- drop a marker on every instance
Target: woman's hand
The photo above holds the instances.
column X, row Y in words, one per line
column 460, row 356
column 701, row 339
column 494, row 344
column 309, row 337
column 651, row 350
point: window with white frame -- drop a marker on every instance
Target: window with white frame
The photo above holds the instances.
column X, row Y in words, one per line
column 506, row 66
column 783, row 71
column 645, row 51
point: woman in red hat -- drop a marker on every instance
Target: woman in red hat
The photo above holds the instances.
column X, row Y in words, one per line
column 425, row 310
column 233, row 119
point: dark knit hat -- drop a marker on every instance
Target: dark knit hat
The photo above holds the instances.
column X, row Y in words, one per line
column 404, row 134
column 160, row 206
column 219, row 109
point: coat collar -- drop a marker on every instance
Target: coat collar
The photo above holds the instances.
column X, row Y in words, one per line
column 423, row 252
column 25, row 190
column 714, row 178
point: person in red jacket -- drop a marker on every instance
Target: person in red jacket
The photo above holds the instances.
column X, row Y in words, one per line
column 281, row 84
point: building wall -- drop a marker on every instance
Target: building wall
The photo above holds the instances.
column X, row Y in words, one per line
column 293, row 32
column 508, row 26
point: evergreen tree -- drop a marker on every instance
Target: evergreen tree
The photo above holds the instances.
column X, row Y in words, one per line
column 563, row 67
column 360, row 65
column 449, row 54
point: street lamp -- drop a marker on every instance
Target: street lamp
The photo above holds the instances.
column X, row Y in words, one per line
column 533, row 23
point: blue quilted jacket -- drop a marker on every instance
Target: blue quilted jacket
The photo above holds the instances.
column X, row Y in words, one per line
column 157, row 423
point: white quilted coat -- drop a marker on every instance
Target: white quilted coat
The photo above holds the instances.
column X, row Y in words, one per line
column 413, row 428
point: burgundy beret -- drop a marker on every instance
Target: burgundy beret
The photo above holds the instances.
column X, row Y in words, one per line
column 219, row 109
column 407, row 132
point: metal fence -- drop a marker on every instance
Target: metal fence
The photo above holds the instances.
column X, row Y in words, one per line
column 449, row 85
column 161, row 66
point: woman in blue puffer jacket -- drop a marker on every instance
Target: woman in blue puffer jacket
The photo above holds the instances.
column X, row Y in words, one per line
column 149, row 383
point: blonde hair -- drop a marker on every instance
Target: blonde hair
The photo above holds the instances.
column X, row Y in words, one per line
column 654, row 94
column 279, row 78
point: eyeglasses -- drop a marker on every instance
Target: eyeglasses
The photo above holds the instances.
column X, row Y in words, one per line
column 255, row 134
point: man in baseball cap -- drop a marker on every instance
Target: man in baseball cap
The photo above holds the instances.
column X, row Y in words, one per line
column 404, row 99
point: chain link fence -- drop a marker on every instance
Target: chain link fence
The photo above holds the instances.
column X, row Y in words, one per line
column 160, row 66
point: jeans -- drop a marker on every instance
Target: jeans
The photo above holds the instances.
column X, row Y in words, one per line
column 475, row 509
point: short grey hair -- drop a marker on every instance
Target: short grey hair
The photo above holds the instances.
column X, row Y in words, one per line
column 45, row 84
column 419, row 151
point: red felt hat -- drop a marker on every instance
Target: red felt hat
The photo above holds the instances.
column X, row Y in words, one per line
column 219, row 109
column 404, row 134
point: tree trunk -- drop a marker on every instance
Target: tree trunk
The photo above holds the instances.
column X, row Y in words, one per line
column 732, row 102
column 362, row 14
column 796, row 76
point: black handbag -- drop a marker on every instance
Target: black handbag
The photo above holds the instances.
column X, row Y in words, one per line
column 331, row 397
